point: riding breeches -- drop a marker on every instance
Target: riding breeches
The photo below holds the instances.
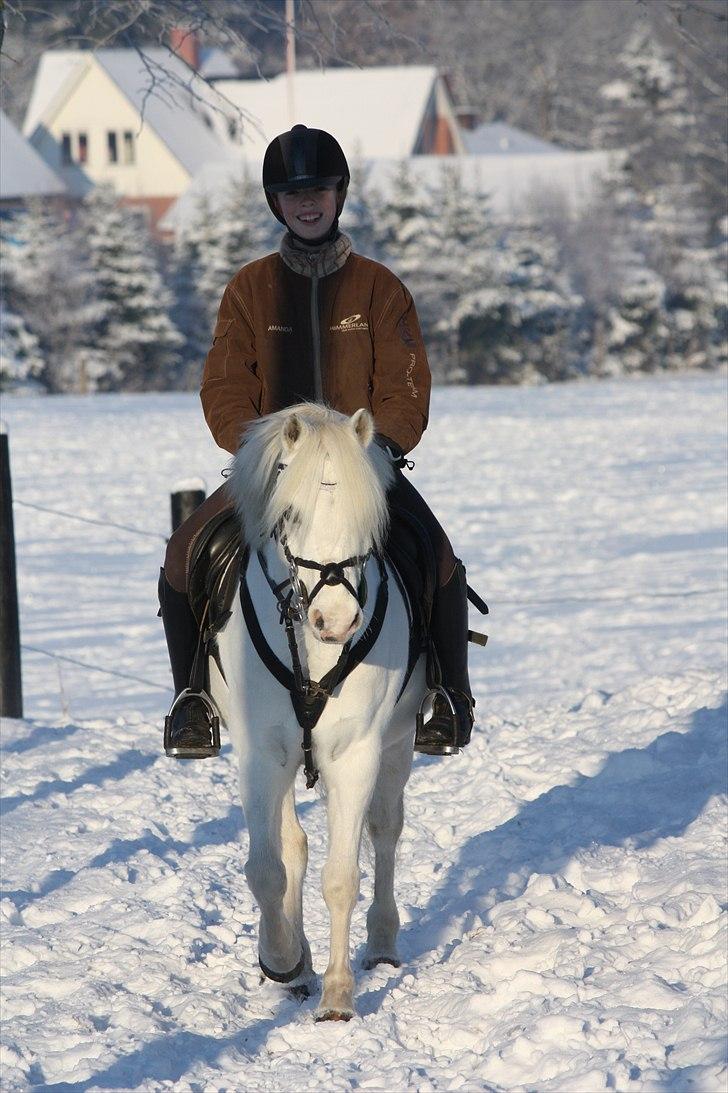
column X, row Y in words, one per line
column 402, row 495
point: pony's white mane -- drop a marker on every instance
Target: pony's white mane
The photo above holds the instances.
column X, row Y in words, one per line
column 327, row 450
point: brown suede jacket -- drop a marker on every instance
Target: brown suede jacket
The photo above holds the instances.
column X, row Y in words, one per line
column 349, row 338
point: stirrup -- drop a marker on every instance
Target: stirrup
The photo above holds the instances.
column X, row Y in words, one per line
column 452, row 748
column 178, row 752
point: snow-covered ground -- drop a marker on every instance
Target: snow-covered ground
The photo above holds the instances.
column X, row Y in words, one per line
column 561, row 884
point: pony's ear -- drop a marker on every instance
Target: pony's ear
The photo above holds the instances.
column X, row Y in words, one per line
column 362, row 423
column 291, row 432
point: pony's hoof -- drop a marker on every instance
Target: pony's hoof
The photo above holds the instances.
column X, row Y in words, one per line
column 370, row 962
column 283, row 977
column 334, row 1015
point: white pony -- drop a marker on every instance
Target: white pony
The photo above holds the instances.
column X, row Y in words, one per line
column 310, row 488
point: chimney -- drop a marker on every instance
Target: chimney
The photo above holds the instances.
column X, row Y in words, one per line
column 467, row 118
column 185, row 44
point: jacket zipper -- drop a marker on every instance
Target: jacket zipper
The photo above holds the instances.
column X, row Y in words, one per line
column 318, row 385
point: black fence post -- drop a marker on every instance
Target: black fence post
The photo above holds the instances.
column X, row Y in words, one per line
column 185, row 500
column 11, row 684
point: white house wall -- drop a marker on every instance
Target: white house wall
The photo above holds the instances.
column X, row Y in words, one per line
column 94, row 106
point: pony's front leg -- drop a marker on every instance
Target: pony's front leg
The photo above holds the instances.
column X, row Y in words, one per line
column 385, row 820
column 349, row 785
column 294, row 850
column 273, row 882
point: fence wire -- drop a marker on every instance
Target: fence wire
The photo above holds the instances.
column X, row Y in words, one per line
column 90, row 520
column 94, row 667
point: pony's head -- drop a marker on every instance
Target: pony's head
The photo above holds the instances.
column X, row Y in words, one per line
column 313, row 476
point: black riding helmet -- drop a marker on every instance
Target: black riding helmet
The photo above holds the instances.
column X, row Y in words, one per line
column 304, row 159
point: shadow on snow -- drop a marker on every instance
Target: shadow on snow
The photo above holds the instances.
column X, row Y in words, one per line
column 640, row 795
column 125, row 763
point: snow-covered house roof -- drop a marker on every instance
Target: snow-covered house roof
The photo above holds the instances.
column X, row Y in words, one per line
column 215, row 64
column 23, row 173
column 375, row 112
column 179, row 110
column 499, row 139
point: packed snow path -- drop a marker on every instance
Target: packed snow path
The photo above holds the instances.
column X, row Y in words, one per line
column 560, row 884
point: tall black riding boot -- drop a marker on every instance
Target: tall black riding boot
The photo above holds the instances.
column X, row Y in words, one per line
column 451, row 723
column 191, row 729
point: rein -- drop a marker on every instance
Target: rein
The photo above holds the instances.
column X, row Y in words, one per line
column 308, row 696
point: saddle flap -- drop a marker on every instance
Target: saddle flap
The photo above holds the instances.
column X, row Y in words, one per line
column 213, row 558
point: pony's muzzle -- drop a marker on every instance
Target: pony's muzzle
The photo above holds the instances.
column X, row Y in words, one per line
column 332, row 631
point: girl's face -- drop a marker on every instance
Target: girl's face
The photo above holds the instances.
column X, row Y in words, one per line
column 309, row 213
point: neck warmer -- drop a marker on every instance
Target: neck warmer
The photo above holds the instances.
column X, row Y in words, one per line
column 315, row 261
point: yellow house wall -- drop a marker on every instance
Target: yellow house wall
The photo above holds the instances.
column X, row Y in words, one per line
column 95, row 106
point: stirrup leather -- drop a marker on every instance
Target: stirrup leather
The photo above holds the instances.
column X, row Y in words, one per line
column 214, row 748
column 452, row 748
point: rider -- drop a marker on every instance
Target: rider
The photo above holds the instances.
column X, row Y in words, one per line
column 315, row 321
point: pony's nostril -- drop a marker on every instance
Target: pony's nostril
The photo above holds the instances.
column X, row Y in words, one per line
column 355, row 621
column 318, row 620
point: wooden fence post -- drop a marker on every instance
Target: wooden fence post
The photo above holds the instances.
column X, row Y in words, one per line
column 11, row 684
column 187, row 497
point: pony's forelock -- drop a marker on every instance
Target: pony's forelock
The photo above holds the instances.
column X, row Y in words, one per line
column 262, row 495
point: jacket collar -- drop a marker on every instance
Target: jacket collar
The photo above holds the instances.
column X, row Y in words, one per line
column 317, row 261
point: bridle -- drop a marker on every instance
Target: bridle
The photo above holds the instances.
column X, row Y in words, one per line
column 331, row 574
column 298, row 600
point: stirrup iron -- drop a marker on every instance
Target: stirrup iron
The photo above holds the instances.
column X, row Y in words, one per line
column 439, row 749
column 204, row 697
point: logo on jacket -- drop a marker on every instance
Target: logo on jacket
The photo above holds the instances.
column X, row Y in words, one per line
column 352, row 322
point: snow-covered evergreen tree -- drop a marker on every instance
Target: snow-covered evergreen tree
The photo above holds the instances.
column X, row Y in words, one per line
column 664, row 213
column 223, row 234
column 521, row 328
column 361, row 212
column 55, row 291
column 21, row 362
column 195, row 304
column 244, row 230
column 403, row 227
column 21, row 359
column 459, row 254
column 137, row 340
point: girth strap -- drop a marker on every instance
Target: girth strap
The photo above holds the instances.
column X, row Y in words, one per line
column 309, row 697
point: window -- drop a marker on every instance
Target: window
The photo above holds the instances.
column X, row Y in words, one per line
column 66, row 156
column 111, row 149
column 82, row 148
column 129, row 147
